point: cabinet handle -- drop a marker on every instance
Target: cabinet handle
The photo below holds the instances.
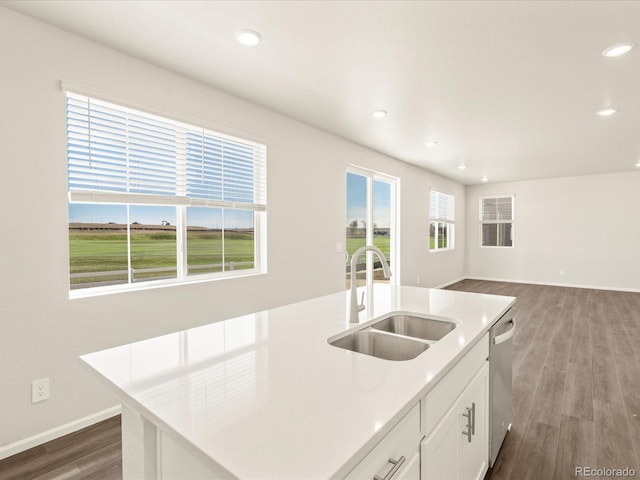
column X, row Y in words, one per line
column 395, row 466
column 473, row 418
column 469, row 431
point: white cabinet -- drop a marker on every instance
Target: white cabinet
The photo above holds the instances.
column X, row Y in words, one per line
column 474, row 458
column 458, row 446
column 444, row 436
column 397, row 456
column 441, row 450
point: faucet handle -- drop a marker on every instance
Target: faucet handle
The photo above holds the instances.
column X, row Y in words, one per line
column 361, row 304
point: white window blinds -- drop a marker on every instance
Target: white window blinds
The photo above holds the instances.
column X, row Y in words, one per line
column 497, row 209
column 120, row 155
column 441, row 207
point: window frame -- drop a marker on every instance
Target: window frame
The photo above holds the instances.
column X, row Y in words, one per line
column 481, row 222
column 450, row 224
column 394, row 239
column 180, row 203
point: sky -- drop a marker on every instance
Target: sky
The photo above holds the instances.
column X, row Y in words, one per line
column 357, row 200
column 153, row 215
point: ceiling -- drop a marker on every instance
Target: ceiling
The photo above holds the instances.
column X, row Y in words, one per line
column 510, row 89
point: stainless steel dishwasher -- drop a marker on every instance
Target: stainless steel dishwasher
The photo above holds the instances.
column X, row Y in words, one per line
column 500, row 378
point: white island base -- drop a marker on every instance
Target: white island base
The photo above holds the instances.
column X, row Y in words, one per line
column 444, row 436
column 266, row 395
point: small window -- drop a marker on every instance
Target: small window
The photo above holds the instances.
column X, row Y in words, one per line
column 152, row 199
column 496, row 219
column 442, row 214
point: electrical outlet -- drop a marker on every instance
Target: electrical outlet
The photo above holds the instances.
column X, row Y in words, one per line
column 418, row 280
column 39, row 390
column 562, row 271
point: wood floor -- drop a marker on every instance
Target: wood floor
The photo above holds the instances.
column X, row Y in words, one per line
column 576, row 381
column 576, row 394
column 93, row 453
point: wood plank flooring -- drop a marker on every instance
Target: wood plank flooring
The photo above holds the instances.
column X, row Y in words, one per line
column 576, row 394
column 93, row 453
column 576, row 381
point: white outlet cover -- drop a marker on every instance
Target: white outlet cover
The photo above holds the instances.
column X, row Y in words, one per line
column 39, row 390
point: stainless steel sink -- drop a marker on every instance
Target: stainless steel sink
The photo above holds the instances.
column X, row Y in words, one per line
column 396, row 336
column 414, row 326
column 381, row 345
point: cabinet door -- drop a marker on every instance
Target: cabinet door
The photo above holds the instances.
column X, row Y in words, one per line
column 441, row 450
column 451, row 451
column 474, row 455
column 412, row 469
column 395, row 456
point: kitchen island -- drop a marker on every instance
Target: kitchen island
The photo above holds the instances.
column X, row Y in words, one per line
column 266, row 396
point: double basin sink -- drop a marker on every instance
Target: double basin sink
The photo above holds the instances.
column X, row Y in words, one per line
column 396, row 336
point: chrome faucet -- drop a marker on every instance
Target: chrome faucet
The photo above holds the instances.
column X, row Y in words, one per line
column 355, row 306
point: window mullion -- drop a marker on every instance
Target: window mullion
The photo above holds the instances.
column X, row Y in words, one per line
column 369, row 230
column 224, row 265
column 129, row 270
column 393, row 248
column 182, row 266
column 131, row 278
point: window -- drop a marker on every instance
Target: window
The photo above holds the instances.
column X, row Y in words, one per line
column 153, row 199
column 442, row 214
column 496, row 218
column 370, row 221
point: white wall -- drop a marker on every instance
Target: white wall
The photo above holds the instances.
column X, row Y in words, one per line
column 589, row 226
column 42, row 332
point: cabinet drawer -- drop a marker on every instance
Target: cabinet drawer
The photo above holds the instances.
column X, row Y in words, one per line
column 402, row 441
column 440, row 399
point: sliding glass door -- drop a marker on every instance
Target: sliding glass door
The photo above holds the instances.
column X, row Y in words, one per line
column 371, row 216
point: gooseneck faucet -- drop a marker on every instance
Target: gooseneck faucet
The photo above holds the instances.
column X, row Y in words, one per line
column 355, row 306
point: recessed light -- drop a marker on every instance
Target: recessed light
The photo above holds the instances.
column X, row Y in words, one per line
column 638, row 163
column 485, row 178
column 617, row 50
column 249, row 38
column 379, row 114
column 462, row 166
column 430, row 143
column 606, row 111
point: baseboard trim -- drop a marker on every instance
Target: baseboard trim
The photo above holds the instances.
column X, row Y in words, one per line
column 62, row 430
column 554, row 284
column 445, row 285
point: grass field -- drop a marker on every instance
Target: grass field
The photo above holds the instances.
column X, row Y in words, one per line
column 98, row 252
column 353, row 243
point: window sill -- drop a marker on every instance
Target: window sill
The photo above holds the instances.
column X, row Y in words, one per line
column 154, row 284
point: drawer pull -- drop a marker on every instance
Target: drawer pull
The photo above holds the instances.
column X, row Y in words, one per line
column 395, row 466
column 469, row 430
column 473, row 418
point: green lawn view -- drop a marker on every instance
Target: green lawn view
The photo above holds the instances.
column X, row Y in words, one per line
column 353, row 243
column 95, row 251
column 98, row 251
column 442, row 243
column 383, row 243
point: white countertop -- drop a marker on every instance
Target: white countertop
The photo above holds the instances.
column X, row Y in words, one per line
column 266, row 396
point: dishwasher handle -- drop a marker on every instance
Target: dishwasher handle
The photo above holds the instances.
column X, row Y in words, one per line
column 507, row 335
